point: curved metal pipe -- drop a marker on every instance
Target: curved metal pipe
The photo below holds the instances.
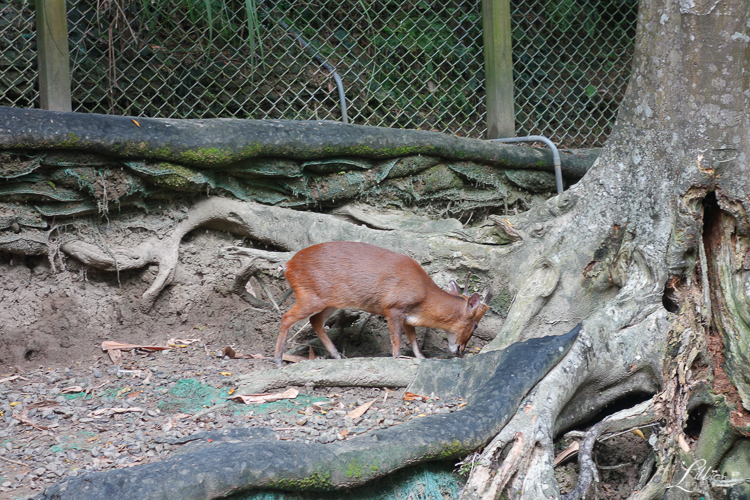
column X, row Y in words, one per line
column 325, row 64
column 342, row 97
column 555, row 154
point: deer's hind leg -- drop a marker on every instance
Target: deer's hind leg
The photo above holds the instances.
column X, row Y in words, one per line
column 317, row 321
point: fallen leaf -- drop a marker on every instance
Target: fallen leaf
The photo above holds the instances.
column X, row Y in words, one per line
column 136, row 122
column 91, row 389
column 293, row 358
column 133, row 395
column 410, row 396
column 8, row 379
column 360, row 410
column 112, row 411
column 43, row 404
column 186, row 342
column 72, row 389
column 115, row 355
column 113, row 348
column 226, row 374
column 568, row 452
column 114, row 345
column 266, row 398
column 684, row 446
column 639, row 433
column 344, row 432
column 231, row 354
column 25, row 420
column 134, row 463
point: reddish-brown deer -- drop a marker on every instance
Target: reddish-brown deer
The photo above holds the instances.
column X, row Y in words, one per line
column 350, row 275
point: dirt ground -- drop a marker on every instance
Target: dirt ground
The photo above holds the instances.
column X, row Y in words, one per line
column 67, row 409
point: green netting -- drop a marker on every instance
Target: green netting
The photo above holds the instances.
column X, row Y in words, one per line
column 45, row 190
column 330, row 165
column 536, row 182
column 70, row 184
column 190, row 396
column 20, row 214
column 77, row 159
column 13, row 164
column 266, row 167
column 481, row 174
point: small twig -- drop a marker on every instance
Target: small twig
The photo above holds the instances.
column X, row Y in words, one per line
column 285, row 296
column 90, row 390
column 645, row 472
column 299, row 331
column 13, row 461
column 614, row 467
column 205, row 411
column 268, row 293
column 610, row 436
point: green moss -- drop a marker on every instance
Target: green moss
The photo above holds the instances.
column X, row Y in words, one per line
column 206, row 156
column 174, row 176
column 356, row 469
column 455, row 449
column 71, row 141
column 316, row 481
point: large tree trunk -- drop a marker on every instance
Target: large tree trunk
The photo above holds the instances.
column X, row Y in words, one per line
column 652, row 259
column 649, row 251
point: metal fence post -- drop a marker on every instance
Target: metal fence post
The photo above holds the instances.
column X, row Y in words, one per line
column 52, row 54
column 498, row 69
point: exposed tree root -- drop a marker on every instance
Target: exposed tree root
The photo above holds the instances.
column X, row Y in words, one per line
column 360, row 372
column 632, row 418
column 283, row 228
column 214, row 143
column 254, row 261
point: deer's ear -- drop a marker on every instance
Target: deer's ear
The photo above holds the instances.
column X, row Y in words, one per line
column 474, row 301
column 453, row 288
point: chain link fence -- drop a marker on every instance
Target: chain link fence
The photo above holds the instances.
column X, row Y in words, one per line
column 18, row 73
column 571, row 65
column 412, row 64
